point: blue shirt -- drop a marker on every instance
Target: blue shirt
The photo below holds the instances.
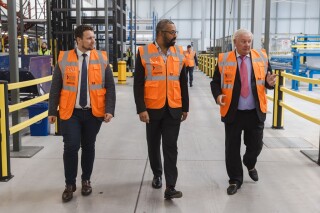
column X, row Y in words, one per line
column 248, row 102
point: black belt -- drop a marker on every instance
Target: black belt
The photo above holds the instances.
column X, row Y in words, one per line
column 83, row 108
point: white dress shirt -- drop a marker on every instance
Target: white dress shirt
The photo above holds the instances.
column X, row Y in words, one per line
column 80, row 60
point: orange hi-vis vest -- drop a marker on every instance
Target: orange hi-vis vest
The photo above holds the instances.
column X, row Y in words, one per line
column 162, row 79
column 68, row 63
column 190, row 58
column 228, row 68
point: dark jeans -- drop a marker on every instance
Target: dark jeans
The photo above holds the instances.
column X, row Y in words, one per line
column 190, row 71
column 80, row 129
column 168, row 128
column 248, row 122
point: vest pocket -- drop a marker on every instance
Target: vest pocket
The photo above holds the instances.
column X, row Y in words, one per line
column 176, row 65
column 101, row 98
column 151, row 89
column 176, row 90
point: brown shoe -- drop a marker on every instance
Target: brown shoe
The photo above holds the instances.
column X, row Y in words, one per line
column 67, row 194
column 86, row 187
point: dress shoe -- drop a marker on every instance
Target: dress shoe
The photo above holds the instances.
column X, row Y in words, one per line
column 171, row 193
column 253, row 173
column 232, row 189
column 67, row 194
column 86, row 187
column 157, row 182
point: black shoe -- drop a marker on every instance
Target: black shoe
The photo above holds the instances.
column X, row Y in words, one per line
column 253, row 173
column 86, row 187
column 67, row 194
column 157, row 182
column 232, row 189
column 171, row 193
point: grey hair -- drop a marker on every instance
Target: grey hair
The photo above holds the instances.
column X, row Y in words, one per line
column 242, row 32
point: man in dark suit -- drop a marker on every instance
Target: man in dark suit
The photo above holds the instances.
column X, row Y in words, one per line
column 238, row 86
column 83, row 88
column 162, row 101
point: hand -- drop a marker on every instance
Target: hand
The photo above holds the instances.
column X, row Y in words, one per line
column 184, row 116
column 52, row 119
column 144, row 117
column 107, row 117
column 271, row 79
column 220, row 101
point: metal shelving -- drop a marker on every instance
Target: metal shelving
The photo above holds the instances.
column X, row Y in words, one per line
column 64, row 21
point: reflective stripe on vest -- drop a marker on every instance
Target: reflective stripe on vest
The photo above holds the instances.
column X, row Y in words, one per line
column 229, row 60
column 190, row 58
column 148, row 56
column 162, row 79
column 96, row 82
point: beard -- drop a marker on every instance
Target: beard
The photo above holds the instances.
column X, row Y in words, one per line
column 172, row 42
column 88, row 48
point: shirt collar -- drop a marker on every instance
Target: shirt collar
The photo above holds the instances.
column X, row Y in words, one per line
column 238, row 55
column 79, row 53
column 159, row 48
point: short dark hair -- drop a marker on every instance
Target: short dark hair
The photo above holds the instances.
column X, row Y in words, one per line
column 189, row 46
column 162, row 24
column 78, row 32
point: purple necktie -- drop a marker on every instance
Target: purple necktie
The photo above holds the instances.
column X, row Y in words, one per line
column 244, row 78
column 83, row 83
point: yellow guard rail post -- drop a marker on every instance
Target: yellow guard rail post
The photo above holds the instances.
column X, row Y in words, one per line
column 277, row 119
column 122, row 76
column 6, row 131
column 5, row 170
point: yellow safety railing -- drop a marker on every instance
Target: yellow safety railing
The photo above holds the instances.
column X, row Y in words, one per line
column 5, row 109
column 283, row 89
column 279, row 104
column 207, row 64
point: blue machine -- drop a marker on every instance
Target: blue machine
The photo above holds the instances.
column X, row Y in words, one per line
column 301, row 46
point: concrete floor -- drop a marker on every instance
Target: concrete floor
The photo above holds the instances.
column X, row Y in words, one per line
column 289, row 181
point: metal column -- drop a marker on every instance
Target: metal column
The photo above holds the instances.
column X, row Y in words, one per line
column 78, row 12
column 49, row 26
column 239, row 15
column 121, row 29
column 203, row 24
column 14, row 68
column 21, row 28
column 224, row 26
column 267, row 27
column 106, row 36
column 256, row 23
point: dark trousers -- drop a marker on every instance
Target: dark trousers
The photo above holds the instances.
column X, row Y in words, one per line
column 190, row 71
column 168, row 128
column 248, row 122
column 80, row 129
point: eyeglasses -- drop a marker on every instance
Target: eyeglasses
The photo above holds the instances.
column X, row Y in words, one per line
column 173, row 32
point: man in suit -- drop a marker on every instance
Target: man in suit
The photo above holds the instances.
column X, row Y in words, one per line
column 83, row 88
column 162, row 101
column 238, row 86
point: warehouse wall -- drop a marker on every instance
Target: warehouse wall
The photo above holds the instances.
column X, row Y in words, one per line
column 287, row 17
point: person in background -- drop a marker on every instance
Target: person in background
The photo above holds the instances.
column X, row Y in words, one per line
column 84, row 89
column 191, row 61
column 239, row 86
column 129, row 58
column 162, row 101
column 44, row 49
